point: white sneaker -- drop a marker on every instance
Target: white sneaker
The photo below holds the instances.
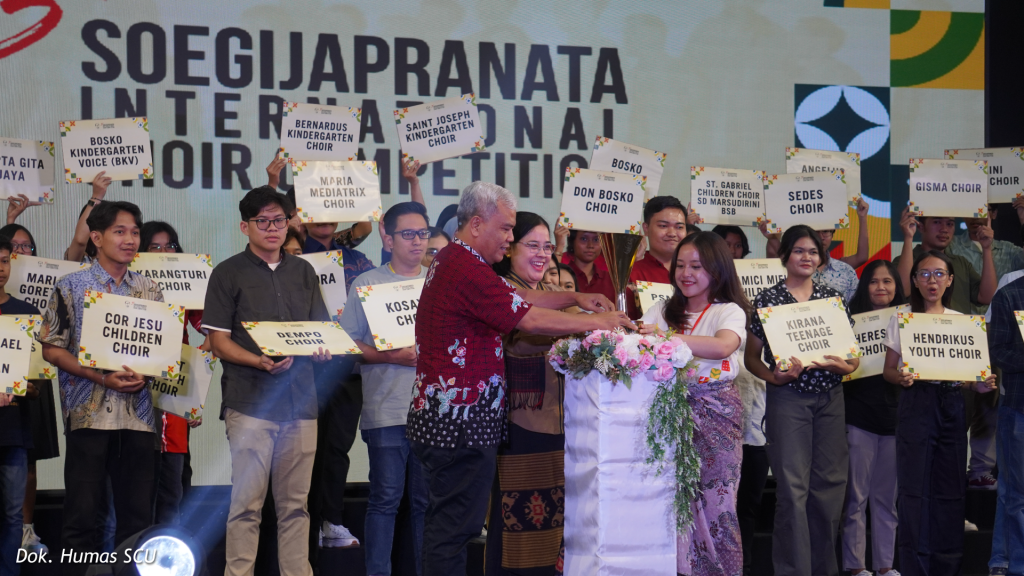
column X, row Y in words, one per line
column 30, row 540
column 863, row 573
column 337, row 536
column 891, row 572
column 970, row 526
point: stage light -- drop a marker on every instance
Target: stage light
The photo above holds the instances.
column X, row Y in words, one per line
column 161, row 550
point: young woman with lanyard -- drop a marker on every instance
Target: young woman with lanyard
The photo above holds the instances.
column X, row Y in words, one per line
column 709, row 312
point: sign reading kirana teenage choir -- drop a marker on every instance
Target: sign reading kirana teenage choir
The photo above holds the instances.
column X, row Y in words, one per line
column 26, row 167
column 809, row 331
column 1005, row 170
column 141, row 334
column 727, row 196
column 602, row 201
column 818, row 200
column 391, row 312
column 870, row 329
column 300, row 338
column 118, row 146
column 952, row 188
column 944, row 346
column 614, row 156
column 16, row 352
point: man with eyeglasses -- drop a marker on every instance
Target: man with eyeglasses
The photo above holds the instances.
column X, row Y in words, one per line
column 438, row 240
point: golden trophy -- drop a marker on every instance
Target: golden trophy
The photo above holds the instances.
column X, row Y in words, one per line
column 619, row 252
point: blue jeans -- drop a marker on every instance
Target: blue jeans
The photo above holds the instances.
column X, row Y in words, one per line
column 13, row 475
column 1009, row 527
column 393, row 469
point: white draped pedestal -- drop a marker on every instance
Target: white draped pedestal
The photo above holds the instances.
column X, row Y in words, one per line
column 618, row 514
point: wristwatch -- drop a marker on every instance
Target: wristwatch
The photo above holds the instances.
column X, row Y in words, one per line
column 93, row 201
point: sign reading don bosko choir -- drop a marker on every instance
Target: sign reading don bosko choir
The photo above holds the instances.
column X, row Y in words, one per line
column 118, row 146
column 318, row 132
column 757, row 274
column 802, row 161
column 32, row 278
column 442, row 129
column 809, row 331
column 182, row 277
column 614, row 156
column 1005, row 170
column 650, row 293
column 727, row 196
column 185, row 395
column 602, row 201
column 26, row 167
column 330, row 273
column 391, row 312
column 16, row 334
column 944, row 346
column 870, row 329
column 300, row 338
column 950, row 188
column 141, row 334
column 816, row 199
column 342, row 191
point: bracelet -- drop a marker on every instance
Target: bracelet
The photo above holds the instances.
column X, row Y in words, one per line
column 103, row 379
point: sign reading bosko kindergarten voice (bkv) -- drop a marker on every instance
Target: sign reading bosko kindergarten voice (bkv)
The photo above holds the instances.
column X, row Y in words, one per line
column 27, row 167
column 118, row 146
column 602, row 201
column 343, row 191
column 949, row 188
column 614, row 156
column 438, row 130
column 318, row 132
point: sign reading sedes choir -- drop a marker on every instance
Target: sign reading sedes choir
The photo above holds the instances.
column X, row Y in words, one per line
column 16, row 333
column 1005, row 170
column 802, row 161
column 949, row 188
column 32, row 278
column 650, row 293
column 809, row 331
column 727, row 196
column 343, row 191
column 118, row 146
column 141, row 334
column 614, row 156
column 817, row 200
column 185, row 395
column 391, row 312
column 300, row 338
column 330, row 273
column 318, row 132
column 944, row 346
column 602, row 201
column 26, row 167
column 182, row 277
column 758, row 274
column 443, row 129
column 870, row 329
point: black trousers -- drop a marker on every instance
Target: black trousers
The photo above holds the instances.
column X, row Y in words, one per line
column 127, row 458
column 753, row 475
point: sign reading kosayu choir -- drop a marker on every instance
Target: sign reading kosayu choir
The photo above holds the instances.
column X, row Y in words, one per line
column 391, row 312
column 185, row 395
column 118, row 146
column 32, row 278
column 141, row 334
column 26, row 167
column 816, row 199
column 809, row 331
column 602, row 201
column 442, row 129
column 944, row 346
column 16, row 333
column 951, row 188
column 318, row 132
column 870, row 329
column 330, row 273
column 300, row 338
column 342, row 191
column 650, row 293
column 727, row 196
column 758, row 274
column 182, row 277
column 802, row 161
column 1005, row 170
column 614, row 156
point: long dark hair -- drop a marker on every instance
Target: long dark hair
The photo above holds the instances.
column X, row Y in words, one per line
column 150, row 229
column 795, row 233
column 861, row 301
column 916, row 298
column 725, row 285
column 525, row 222
column 11, row 229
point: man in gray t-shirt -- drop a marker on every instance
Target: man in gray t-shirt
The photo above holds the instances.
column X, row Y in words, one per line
column 388, row 378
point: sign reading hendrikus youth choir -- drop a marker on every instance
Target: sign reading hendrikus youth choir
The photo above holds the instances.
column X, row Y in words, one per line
column 391, row 312
column 1005, row 170
column 727, row 196
column 300, row 338
column 944, row 346
column 26, row 167
column 118, row 146
column 141, row 334
column 16, row 333
column 614, row 156
column 802, row 161
column 602, row 201
column 809, row 331
column 816, row 199
column 342, row 191
column 182, row 277
column 951, row 188
column 870, row 328
column 442, row 129
column 318, row 132
column 32, row 278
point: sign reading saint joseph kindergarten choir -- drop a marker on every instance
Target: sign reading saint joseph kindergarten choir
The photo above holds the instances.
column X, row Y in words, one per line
column 727, row 196
column 949, row 188
column 391, row 312
column 343, row 191
column 443, row 129
column 330, row 273
column 185, row 395
column 16, row 333
column 1005, row 170
column 614, row 156
column 300, row 338
column 817, row 200
column 870, row 329
column 650, row 293
column 802, row 161
column 26, row 167
column 182, row 277
column 944, row 346
column 318, row 132
column 602, row 201
column 118, row 146
column 141, row 334
column 809, row 331
column 32, row 278
column 757, row 274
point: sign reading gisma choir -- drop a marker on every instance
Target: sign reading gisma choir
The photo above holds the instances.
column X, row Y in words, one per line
column 949, row 188
column 118, row 146
column 27, row 167
column 141, row 334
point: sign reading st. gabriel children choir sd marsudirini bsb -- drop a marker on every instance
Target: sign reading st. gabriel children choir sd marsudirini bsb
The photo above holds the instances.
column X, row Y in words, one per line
column 602, row 201
column 27, row 167
column 118, row 146
column 727, row 196
column 343, row 191
column 442, row 129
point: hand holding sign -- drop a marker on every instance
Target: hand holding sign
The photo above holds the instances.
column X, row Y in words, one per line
column 787, row 371
column 127, row 380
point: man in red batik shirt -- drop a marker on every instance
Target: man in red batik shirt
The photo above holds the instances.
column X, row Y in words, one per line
column 665, row 228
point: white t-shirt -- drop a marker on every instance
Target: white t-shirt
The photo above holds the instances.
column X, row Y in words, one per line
column 720, row 316
column 892, row 335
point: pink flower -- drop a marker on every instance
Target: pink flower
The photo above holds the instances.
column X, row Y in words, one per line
column 664, row 372
column 621, row 355
column 645, row 343
column 558, row 359
column 592, row 339
column 646, row 361
column 664, row 350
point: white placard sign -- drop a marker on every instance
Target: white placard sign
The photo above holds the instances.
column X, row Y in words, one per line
column 758, row 274
column 809, row 331
column 944, row 347
column 602, row 201
column 442, row 129
column 118, row 146
column 727, row 196
column 1005, row 170
column 330, row 273
column 802, row 161
column 318, row 132
column 16, row 334
column 614, row 156
column 182, row 277
column 38, row 368
column 32, row 278
column 27, row 167
column 817, row 200
column 870, row 327
column 650, row 293
column 300, row 338
column 185, row 395
column 948, row 188
column 343, row 191
column 141, row 334
column 391, row 312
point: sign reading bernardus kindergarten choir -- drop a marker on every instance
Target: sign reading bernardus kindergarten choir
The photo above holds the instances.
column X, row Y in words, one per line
column 802, row 161
column 870, row 329
column 32, row 278
column 809, row 331
column 614, row 156
column 16, row 333
column 342, row 191
column 944, row 346
column 816, row 199
column 1005, row 170
column 330, row 273
column 182, row 277
column 727, row 196
column 318, row 132
column 951, row 188
column 141, row 334
column 650, row 293
column 391, row 312
column 300, row 338
column 185, row 395
column 757, row 274
column 441, row 129
column 602, row 201
column 118, row 146
column 27, row 167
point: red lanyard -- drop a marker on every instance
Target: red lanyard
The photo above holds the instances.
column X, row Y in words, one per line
column 694, row 327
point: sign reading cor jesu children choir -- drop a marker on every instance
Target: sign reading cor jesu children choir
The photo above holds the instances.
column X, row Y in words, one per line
column 342, row 191
column 185, row 395
column 32, row 278
column 118, row 146
column 391, row 312
column 816, row 199
column 26, row 167
column 803, row 161
column 16, row 333
column 602, row 201
column 182, row 278
column 727, row 196
column 141, row 334
column 442, row 129
column 614, row 156
column 318, row 132
column 809, row 331
column 330, row 273
column 650, row 293
column 1005, row 170
column 870, row 328
column 944, row 346
column 757, row 274
column 300, row 338
column 951, row 188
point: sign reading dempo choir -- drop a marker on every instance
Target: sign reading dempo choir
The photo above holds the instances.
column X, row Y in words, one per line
column 141, row 334
column 727, row 196
column 330, row 273
column 442, row 129
column 118, row 146
column 650, row 293
column 318, row 132
column 870, row 329
column 952, row 188
column 182, row 277
column 32, row 278
column 26, row 167
column 391, row 312
column 944, row 346
column 602, row 201
column 816, row 199
column 1005, row 170
column 809, row 331
column 802, row 161
column 300, row 338
column 16, row 334
column 185, row 395
column 343, row 191
column 757, row 274
column 614, row 156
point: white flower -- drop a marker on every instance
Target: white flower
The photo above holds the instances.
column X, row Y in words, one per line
column 574, row 347
column 682, row 354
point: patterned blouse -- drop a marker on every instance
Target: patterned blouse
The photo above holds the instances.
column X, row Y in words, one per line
column 459, row 393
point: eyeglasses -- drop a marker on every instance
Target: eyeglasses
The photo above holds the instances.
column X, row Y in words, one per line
column 536, row 247
column 432, row 252
column 423, row 234
column 169, row 246
column 30, row 248
column 925, row 275
column 264, row 224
